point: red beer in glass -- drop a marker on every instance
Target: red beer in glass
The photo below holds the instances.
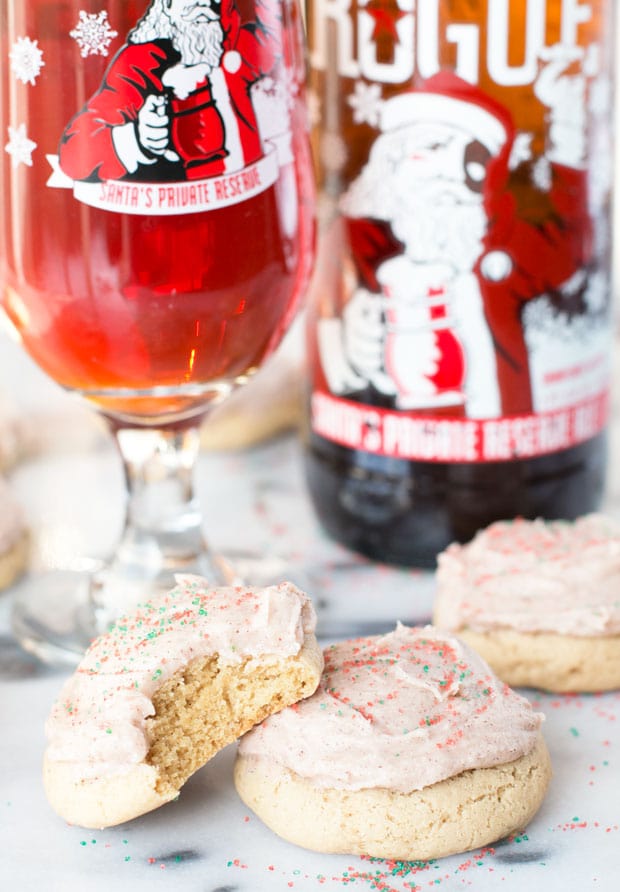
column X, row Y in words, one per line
column 156, row 238
column 150, row 291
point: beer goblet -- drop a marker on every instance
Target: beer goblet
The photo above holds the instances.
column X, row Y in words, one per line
column 156, row 238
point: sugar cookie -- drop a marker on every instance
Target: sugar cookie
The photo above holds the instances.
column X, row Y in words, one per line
column 271, row 403
column 409, row 749
column 538, row 600
column 14, row 538
column 168, row 687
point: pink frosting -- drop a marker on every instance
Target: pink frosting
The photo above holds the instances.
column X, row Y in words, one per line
column 399, row 711
column 11, row 518
column 534, row 576
column 98, row 721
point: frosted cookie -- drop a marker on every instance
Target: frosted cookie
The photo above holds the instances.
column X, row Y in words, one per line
column 540, row 601
column 268, row 405
column 165, row 689
column 56, row 424
column 9, row 436
column 409, row 749
column 262, row 409
column 14, row 539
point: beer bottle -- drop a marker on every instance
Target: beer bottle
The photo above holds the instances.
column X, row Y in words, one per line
column 459, row 327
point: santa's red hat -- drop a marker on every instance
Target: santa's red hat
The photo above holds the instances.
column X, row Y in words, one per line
column 447, row 99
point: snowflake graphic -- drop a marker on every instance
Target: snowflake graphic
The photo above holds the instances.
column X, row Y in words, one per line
column 93, row 34
column 290, row 87
column 366, row 103
column 597, row 292
column 543, row 322
column 26, row 60
column 540, row 320
column 19, row 147
column 333, row 152
column 313, row 102
column 521, row 150
column 542, row 176
column 601, row 97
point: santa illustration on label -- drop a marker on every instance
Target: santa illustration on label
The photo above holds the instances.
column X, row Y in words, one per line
column 176, row 101
column 447, row 254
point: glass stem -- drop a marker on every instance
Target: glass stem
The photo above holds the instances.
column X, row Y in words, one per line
column 163, row 526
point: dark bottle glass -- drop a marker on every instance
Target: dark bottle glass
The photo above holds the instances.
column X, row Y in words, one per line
column 459, row 327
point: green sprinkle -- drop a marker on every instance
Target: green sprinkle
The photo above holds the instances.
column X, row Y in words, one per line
column 108, row 730
column 83, row 842
column 574, row 732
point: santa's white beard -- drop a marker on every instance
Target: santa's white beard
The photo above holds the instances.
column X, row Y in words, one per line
column 443, row 233
column 439, row 220
column 199, row 42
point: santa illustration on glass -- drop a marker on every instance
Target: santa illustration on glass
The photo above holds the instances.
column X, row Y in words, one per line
column 157, row 233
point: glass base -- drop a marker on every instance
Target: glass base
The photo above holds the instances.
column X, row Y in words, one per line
column 54, row 617
column 57, row 614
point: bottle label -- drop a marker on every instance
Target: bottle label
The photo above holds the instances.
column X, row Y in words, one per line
column 191, row 114
column 471, row 320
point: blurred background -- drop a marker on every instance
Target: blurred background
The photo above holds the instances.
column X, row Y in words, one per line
column 48, row 438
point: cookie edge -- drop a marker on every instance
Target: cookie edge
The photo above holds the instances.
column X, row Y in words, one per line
column 109, row 800
column 549, row 661
column 472, row 809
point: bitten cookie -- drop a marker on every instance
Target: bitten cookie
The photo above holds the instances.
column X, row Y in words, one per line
column 9, row 437
column 538, row 600
column 409, row 749
column 14, row 539
column 165, row 689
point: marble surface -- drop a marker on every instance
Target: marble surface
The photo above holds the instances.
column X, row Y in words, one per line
column 207, row 840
